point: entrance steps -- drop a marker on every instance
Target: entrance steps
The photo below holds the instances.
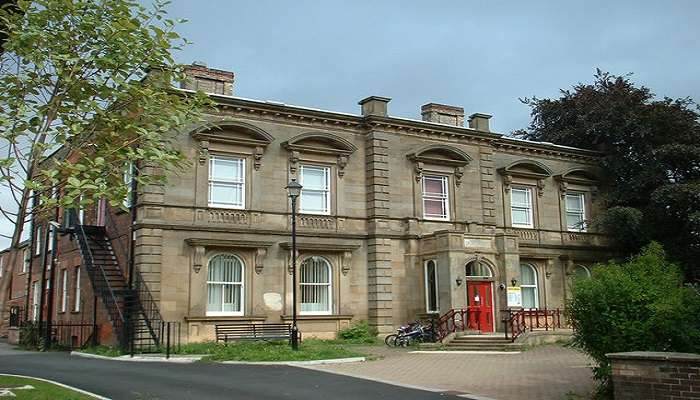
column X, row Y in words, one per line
column 485, row 342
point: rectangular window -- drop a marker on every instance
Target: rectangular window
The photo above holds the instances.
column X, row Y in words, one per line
column 76, row 297
column 127, row 176
column 26, row 260
column 436, row 202
column 315, row 286
column 51, row 237
column 64, row 290
column 227, row 182
column 315, row 192
column 37, row 240
column 521, row 207
column 36, row 292
column 575, row 212
column 1, row 266
column 431, row 287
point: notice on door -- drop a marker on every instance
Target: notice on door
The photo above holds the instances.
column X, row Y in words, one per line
column 515, row 296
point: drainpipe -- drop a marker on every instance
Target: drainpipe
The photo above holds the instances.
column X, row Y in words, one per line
column 131, row 264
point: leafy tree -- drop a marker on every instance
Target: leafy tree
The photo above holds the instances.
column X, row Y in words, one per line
column 650, row 159
column 640, row 305
column 90, row 81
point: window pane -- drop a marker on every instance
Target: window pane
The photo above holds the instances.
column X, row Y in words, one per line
column 313, row 178
column 222, row 193
column 314, row 285
column 581, row 272
column 574, row 202
column 574, row 220
column 527, row 275
column 520, row 197
column 225, row 284
column 431, row 281
column 478, row 269
column 520, row 216
column 529, row 297
column 313, row 201
column 227, row 169
column 434, row 185
column 434, row 207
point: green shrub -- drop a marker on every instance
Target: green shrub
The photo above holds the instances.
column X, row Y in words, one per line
column 359, row 332
column 640, row 305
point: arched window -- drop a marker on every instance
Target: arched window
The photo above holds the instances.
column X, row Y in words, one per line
column 477, row 269
column 225, row 285
column 581, row 272
column 528, row 286
column 315, row 286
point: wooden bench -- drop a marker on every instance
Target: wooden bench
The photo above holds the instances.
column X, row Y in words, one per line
column 227, row 333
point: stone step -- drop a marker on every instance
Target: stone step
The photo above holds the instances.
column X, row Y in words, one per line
column 483, row 348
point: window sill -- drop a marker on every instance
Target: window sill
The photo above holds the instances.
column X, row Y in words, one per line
column 225, row 318
column 226, row 207
column 318, row 317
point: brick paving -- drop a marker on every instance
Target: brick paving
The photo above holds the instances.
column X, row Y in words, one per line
column 544, row 372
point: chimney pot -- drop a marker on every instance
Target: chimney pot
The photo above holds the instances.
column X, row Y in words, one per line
column 480, row 122
column 442, row 114
column 208, row 80
column 375, row 105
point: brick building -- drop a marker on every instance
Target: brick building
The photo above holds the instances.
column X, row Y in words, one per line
column 398, row 218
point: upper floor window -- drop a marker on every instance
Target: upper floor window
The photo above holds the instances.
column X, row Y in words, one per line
column 315, row 192
column 436, row 204
column 227, row 182
column 575, row 212
column 315, row 286
column 225, row 285
column 521, row 207
column 1, row 266
column 38, row 241
column 26, row 259
column 127, row 177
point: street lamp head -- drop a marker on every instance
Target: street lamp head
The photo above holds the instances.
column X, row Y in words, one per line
column 294, row 189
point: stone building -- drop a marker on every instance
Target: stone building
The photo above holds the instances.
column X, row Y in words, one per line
column 397, row 217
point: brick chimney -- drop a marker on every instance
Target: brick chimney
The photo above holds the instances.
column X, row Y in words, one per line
column 208, row 80
column 443, row 114
column 480, row 122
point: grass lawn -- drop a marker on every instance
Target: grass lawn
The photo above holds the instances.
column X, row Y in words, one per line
column 42, row 390
column 310, row 349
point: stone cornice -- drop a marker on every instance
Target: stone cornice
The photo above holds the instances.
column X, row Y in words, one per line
column 315, row 246
column 250, row 244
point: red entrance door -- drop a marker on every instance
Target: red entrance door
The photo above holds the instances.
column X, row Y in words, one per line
column 480, row 306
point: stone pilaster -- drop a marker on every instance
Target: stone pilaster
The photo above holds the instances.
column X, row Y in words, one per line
column 379, row 249
column 148, row 252
column 488, row 184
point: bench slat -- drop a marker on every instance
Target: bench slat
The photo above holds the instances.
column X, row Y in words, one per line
column 252, row 332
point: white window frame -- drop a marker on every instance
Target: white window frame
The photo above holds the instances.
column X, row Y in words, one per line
column 329, row 285
column 76, row 302
column 325, row 191
column 583, row 267
column 127, row 177
column 536, row 285
column 579, row 213
column 38, row 241
column 527, row 207
column 36, row 299
column 240, row 312
column 26, row 259
column 64, row 290
column 232, row 182
column 49, row 245
column 443, row 197
column 427, row 287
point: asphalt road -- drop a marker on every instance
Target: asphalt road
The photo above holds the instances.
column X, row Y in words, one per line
column 165, row 381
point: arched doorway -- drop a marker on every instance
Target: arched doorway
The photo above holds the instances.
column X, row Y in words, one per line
column 480, row 296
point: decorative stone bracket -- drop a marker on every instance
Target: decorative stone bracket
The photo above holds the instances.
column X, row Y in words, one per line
column 200, row 246
column 528, row 169
column 435, row 155
column 203, row 152
column 308, row 143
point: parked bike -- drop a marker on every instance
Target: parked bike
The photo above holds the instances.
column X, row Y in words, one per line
column 412, row 333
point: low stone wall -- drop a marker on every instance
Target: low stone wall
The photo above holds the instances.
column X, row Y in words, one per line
column 655, row 375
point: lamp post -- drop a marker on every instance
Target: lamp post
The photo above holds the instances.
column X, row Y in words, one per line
column 294, row 190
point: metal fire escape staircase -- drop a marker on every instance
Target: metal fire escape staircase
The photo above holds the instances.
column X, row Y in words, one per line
column 134, row 314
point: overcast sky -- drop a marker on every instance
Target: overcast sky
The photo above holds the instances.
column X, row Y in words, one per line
column 481, row 55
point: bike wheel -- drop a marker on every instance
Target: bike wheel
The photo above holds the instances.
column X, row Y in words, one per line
column 390, row 340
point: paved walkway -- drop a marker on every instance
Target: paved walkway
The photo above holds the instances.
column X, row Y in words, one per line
column 545, row 372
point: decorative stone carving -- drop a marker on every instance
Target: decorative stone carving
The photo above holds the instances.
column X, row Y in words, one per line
column 507, row 182
column 563, row 188
column 203, row 151
column 198, row 258
column 260, row 254
column 342, row 163
column 257, row 157
column 459, row 173
column 418, row 167
column 540, row 187
column 293, row 162
column 345, row 262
